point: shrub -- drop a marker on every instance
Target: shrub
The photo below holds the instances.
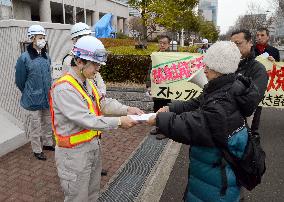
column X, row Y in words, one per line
column 109, row 42
column 120, row 35
column 190, row 49
column 130, row 50
column 122, row 68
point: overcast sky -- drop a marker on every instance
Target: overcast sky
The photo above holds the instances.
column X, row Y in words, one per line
column 229, row 10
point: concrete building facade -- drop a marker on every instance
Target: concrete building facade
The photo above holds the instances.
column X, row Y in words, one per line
column 71, row 11
column 209, row 10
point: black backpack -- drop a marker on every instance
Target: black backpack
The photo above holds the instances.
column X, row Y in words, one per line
column 250, row 168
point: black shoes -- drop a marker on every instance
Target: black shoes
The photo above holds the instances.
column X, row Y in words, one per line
column 40, row 156
column 155, row 131
column 104, row 172
column 49, row 148
column 160, row 136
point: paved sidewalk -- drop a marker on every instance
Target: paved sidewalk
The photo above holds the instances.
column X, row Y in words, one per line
column 23, row 178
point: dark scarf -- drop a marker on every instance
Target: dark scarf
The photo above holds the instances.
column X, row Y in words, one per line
column 33, row 52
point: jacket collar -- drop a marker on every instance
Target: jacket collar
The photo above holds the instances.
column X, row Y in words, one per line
column 74, row 74
column 244, row 61
column 33, row 52
column 219, row 82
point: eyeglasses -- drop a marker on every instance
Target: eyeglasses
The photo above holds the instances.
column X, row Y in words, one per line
column 239, row 43
column 98, row 55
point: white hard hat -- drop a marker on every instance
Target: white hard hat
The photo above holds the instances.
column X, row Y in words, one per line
column 90, row 48
column 80, row 29
column 205, row 41
column 35, row 30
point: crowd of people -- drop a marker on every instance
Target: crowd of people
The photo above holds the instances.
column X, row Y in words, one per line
column 72, row 109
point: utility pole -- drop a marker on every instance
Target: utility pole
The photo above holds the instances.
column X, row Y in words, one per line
column 63, row 8
column 74, row 11
column 85, row 14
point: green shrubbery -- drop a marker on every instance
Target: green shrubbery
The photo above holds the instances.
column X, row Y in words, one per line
column 109, row 42
column 122, row 68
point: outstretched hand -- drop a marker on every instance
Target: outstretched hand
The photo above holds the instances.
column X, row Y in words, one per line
column 134, row 111
column 164, row 109
column 127, row 122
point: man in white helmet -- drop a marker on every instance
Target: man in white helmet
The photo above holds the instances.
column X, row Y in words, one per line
column 33, row 78
column 77, row 118
column 77, row 31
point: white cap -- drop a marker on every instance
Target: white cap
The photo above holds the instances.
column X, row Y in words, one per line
column 80, row 29
column 223, row 57
column 90, row 48
column 35, row 30
column 205, row 41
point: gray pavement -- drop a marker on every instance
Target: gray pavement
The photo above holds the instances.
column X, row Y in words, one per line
column 272, row 187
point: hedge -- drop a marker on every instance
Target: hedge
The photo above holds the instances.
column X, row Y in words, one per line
column 122, row 68
column 109, row 42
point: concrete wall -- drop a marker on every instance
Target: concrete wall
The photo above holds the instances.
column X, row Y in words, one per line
column 21, row 10
column 5, row 12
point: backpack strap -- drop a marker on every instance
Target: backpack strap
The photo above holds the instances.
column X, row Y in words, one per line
column 223, row 178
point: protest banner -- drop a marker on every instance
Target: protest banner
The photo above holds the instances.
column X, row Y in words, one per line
column 274, row 95
column 174, row 74
column 171, row 73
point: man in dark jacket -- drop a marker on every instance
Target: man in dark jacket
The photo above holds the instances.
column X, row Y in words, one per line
column 164, row 45
column 33, row 78
column 251, row 68
column 262, row 46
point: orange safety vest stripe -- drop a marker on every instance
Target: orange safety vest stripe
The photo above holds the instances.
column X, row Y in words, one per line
column 84, row 135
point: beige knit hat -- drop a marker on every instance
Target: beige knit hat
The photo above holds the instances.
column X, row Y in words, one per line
column 223, row 57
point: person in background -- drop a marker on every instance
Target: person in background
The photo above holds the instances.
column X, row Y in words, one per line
column 77, row 31
column 206, row 122
column 262, row 46
column 78, row 119
column 164, row 46
column 204, row 46
column 33, row 78
column 251, row 68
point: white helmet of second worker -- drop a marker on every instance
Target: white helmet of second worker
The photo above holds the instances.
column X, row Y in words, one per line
column 90, row 48
column 35, row 30
column 80, row 29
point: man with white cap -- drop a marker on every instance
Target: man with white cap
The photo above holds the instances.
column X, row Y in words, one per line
column 33, row 78
column 77, row 118
column 210, row 123
column 204, row 46
column 77, row 31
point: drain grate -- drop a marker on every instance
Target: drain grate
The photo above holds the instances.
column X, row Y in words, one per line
column 132, row 177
